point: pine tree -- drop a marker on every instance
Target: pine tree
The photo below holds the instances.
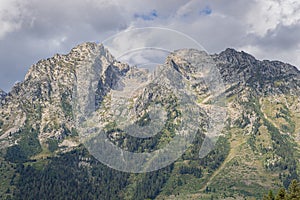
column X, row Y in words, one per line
column 271, row 195
column 281, row 195
column 294, row 191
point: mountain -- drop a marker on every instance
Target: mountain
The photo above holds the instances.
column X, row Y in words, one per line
column 41, row 148
column 2, row 94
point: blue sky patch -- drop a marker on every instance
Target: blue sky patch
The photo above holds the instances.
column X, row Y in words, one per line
column 206, row 11
column 147, row 17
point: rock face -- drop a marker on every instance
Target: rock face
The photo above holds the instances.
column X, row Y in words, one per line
column 263, row 76
column 43, row 99
column 2, row 94
column 260, row 137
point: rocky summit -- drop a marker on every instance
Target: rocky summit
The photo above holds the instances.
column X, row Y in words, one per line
column 44, row 155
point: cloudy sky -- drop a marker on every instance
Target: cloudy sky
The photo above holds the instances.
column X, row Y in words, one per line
column 32, row 29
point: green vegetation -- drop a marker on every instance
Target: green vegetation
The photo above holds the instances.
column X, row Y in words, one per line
column 28, row 145
column 191, row 170
column 151, row 184
column 216, row 157
column 135, row 144
column 77, row 175
column 292, row 193
column 52, row 145
column 71, row 176
column 285, row 149
column 7, row 175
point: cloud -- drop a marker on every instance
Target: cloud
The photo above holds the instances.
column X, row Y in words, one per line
column 9, row 16
column 283, row 41
column 268, row 14
column 48, row 27
column 149, row 16
column 33, row 29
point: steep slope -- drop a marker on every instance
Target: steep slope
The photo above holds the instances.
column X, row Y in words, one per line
column 263, row 124
column 258, row 148
column 262, row 130
column 43, row 100
column 2, row 94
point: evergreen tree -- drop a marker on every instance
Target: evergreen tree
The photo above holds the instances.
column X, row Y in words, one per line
column 270, row 196
column 294, row 191
column 281, row 195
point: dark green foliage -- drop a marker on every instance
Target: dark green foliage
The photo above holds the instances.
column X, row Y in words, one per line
column 216, row 157
column 281, row 195
column 271, row 195
column 65, row 178
column 28, row 146
column 151, row 183
column 52, row 145
column 293, row 193
column 76, row 175
column 285, row 149
column 282, row 146
column 15, row 154
column 192, row 152
column 197, row 172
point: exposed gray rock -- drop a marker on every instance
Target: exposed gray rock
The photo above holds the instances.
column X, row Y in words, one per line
column 2, row 94
column 262, row 96
column 265, row 77
column 44, row 98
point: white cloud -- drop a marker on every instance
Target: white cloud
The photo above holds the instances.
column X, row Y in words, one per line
column 9, row 16
column 34, row 29
column 266, row 15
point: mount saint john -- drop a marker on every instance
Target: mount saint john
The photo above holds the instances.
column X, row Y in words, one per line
column 41, row 156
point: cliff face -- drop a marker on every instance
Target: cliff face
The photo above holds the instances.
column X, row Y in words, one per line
column 43, row 100
column 259, row 139
column 263, row 76
column 2, row 95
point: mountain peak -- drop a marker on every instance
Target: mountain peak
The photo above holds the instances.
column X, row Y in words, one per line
column 243, row 68
column 233, row 55
column 64, row 64
column 91, row 46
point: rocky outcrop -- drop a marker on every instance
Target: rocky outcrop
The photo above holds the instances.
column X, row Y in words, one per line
column 240, row 68
column 2, row 96
column 44, row 99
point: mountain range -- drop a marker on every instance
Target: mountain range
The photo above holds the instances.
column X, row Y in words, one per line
column 42, row 155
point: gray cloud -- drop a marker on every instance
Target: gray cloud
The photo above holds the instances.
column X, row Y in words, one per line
column 32, row 29
column 281, row 38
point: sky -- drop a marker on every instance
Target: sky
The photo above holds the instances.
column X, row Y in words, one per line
column 31, row 30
